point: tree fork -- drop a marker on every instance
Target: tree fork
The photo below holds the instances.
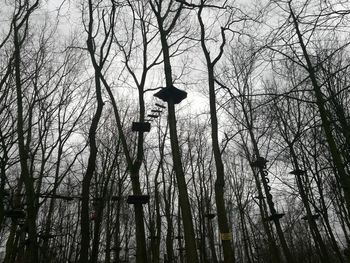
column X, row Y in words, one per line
column 190, row 244
column 220, row 172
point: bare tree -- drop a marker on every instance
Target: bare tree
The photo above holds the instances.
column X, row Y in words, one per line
column 20, row 30
column 166, row 21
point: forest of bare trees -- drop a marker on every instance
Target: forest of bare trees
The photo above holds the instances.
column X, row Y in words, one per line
column 198, row 131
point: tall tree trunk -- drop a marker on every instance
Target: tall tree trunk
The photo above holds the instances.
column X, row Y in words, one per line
column 269, row 198
column 32, row 251
column 85, row 222
column 225, row 229
column 324, row 257
column 190, row 244
column 344, row 178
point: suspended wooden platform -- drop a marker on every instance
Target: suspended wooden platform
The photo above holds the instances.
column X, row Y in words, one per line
column 171, row 94
column 314, row 217
column 138, row 199
column 260, row 162
column 297, row 172
column 275, row 217
column 141, row 126
column 210, row 216
column 15, row 213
